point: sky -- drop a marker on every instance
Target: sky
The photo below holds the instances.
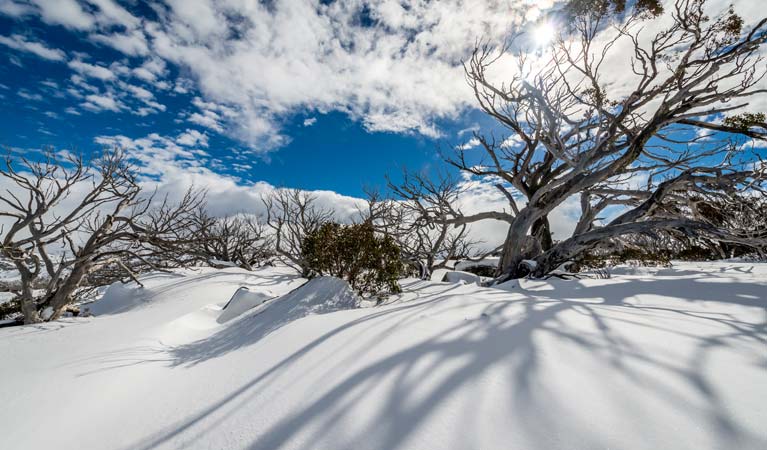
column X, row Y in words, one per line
column 240, row 96
column 298, row 93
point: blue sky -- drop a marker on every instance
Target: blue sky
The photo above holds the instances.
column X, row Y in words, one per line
column 65, row 83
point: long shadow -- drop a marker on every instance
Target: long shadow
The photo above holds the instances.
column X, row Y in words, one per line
column 507, row 332
column 255, row 326
column 241, row 396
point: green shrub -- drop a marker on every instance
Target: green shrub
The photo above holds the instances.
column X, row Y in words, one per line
column 370, row 263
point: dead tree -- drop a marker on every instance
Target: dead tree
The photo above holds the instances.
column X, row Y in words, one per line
column 292, row 214
column 104, row 221
column 426, row 244
column 572, row 136
column 239, row 240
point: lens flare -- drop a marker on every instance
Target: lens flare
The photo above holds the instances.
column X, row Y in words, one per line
column 543, row 34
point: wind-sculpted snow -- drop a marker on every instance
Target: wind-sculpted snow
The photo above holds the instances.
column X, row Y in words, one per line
column 652, row 358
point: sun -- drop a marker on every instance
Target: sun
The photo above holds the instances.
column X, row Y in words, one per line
column 543, row 34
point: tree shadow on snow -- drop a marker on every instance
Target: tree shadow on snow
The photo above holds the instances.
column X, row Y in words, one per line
column 507, row 333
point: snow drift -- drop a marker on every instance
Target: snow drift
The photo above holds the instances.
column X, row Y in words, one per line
column 242, row 300
column 652, row 358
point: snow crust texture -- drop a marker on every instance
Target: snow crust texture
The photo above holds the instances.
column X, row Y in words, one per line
column 672, row 358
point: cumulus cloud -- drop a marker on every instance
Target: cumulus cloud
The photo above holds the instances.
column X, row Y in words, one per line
column 191, row 138
column 207, row 119
column 101, row 102
column 111, row 13
column 68, row 13
column 132, row 43
column 310, row 121
column 18, row 42
column 394, row 66
column 170, row 169
column 15, row 8
column 471, row 143
column 91, row 70
column 85, row 15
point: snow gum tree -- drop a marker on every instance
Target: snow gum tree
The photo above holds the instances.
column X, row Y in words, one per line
column 674, row 123
column 424, row 245
column 66, row 219
column 292, row 214
column 239, row 240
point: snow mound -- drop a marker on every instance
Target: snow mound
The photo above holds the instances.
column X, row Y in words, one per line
column 243, row 300
column 439, row 275
column 322, row 295
column 118, row 297
column 454, row 276
column 319, row 296
column 457, row 276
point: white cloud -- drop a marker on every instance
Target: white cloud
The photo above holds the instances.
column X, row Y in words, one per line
column 91, row 70
column 23, row 93
column 15, row 61
column 473, row 142
column 171, row 169
column 18, row 42
column 110, row 13
column 397, row 69
column 144, row 74
column 183, row 86
column 15, row 9
column 50, row 84
column 399, row 72
column 472, row 129
column 191, row 138
column 207, row 119
column 131, row 43
column 138, row 91
column 101, row 102
column 310, row 121
column 86, row 15
column 68, row 13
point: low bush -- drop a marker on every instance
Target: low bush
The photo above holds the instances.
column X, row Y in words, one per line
column 370, row 263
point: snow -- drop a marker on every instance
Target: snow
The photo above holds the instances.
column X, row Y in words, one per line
column 439, row 274
column 490, row 261
column 46, row 313
column 454, row 276
column 650, row 358
column 457, row 276
column 242, row 300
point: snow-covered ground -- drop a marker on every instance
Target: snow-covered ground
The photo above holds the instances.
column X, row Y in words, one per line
column 650, row 359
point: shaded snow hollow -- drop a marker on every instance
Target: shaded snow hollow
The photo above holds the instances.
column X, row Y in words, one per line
column 652, row 358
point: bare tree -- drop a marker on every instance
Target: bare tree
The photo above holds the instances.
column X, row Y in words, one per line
column 240, row 240
column 55, row 240
column 426, row 244
column 292, row 214
column 572, row 137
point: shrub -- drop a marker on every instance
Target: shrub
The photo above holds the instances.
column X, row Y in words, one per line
column 369, row 263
